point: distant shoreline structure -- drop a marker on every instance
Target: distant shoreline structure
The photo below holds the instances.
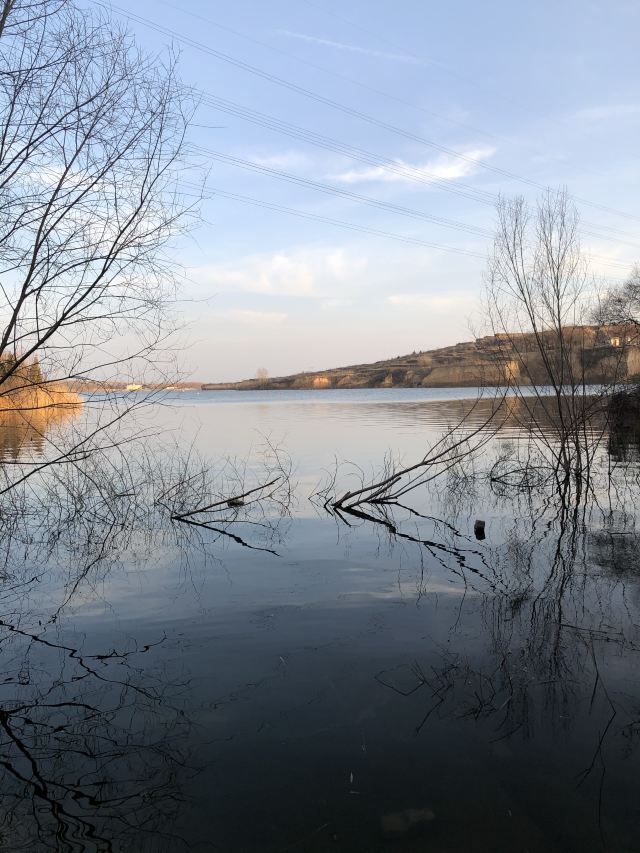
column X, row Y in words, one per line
column 602, row 354
column 80, row 386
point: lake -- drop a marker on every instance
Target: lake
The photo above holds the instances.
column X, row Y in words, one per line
column 376, row 680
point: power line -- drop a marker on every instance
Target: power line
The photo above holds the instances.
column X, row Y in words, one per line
column 327, row 188
column 329, row 144
column 363, row 229
column 351, row 80
column 374, row 160
column 385, row 40
column 338, row 75
column 611, row 229
column 344, row 77
column 288, row 129
column 351, row 226
column 589, row 232
column 318, row 98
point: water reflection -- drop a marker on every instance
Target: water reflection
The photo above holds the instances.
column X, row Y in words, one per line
column 548, row 671
column 389, row 682
column 624, row 441
column 94, row 745
column 23, row 432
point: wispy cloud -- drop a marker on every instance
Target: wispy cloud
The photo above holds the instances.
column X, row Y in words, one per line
column 311, row 273
column 446, row 167
column 604, row 112
column 407, row 58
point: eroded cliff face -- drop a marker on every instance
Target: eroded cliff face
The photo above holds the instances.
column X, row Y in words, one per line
column 587, row 353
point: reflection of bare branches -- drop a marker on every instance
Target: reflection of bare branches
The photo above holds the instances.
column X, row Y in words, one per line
column 113, row 507
column 554, row 613
column 383, row 515
column 208, row 518
column 259, row 508
column 90, row 746
column 396, row 481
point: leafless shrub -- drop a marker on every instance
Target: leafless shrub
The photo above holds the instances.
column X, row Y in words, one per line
column 456, row 444
column 537, row 299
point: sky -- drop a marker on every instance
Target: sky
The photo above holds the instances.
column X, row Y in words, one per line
column 426, row 112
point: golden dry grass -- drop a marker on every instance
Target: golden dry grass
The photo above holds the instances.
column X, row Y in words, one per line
column 27, row 415
column 50, row 396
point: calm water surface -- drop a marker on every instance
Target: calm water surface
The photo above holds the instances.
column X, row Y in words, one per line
column 358, row 691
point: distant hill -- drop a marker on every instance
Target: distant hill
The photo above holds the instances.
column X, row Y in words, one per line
column 603, row 353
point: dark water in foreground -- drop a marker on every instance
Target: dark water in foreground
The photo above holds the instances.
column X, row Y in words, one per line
column 358, row 692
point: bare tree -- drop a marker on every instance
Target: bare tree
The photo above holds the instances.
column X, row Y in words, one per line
column 537, row 299
column 92, row 144
column 621, row 305
column 262, row 374
column 619, row 310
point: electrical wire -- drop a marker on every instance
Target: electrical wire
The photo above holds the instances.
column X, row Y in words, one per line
column 345, row 109
column 342, row 193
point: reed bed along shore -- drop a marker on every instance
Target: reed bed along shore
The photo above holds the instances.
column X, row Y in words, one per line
column 50, row 395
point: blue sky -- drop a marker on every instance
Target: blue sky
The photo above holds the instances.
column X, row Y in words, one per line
column 450, row 97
